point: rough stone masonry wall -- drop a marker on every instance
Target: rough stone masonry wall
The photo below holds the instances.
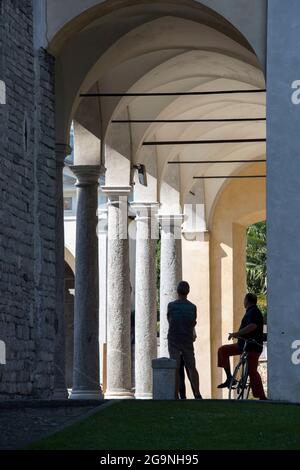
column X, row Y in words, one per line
column 27, row 207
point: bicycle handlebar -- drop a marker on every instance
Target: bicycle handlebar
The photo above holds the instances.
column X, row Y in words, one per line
column 249, row 340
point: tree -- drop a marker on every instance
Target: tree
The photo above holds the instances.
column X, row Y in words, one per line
column 257, row 262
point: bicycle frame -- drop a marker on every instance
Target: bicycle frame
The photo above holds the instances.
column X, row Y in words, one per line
column 241, row 387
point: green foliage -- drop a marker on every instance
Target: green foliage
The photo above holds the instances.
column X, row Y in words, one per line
column 262, row 304
column 257, row 262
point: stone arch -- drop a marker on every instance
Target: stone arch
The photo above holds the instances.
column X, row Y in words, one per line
column 74, row 15
column 141, row 57
column 247, row 74
column 82, row 42
column 214, row 191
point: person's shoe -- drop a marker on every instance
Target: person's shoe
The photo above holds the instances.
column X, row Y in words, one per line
column 198, row 397
column 227, row 383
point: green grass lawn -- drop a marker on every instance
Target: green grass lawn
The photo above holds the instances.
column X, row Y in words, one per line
column 190, row 425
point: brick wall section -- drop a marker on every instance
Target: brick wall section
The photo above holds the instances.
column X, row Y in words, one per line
column 27, row 207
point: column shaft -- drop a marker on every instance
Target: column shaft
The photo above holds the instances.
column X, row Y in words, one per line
column 86, row 381
column 118, row 301
column 170, row 273
column 103, row 245
column 145, row 303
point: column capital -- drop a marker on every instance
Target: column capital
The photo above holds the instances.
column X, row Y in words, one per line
column 87, row 175
column 61, row 152
column 144, row 210
column 203, row 236
column 116, row 191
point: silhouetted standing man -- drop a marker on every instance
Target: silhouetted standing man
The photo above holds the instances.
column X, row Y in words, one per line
column 182, row 317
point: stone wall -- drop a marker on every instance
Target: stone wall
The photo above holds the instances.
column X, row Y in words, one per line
column 27, row 207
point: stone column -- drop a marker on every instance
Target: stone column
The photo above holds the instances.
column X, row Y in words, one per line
column 145, row 298
column 86, row 380
column 118, row 296
column 103, row 246
column 60, row 390
column 170, row 271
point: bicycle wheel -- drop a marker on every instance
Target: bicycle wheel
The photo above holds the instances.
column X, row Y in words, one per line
column 240, row 387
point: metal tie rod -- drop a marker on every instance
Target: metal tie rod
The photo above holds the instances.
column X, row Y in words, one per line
column 197, row 162
column 228, row 177
column 180, row 121
column 203, row 142
column 186, row 93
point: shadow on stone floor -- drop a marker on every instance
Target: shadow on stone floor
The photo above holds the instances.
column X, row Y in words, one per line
column 22, row 423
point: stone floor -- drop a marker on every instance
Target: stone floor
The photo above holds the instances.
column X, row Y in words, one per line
column 24, row 423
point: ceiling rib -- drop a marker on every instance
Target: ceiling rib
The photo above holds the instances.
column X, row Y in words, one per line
column 180, row 121
column 199, row 162
column 203, row 142
column 179, row 93
column 228, row 177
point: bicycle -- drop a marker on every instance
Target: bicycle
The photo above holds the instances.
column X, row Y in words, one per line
column 239, row 388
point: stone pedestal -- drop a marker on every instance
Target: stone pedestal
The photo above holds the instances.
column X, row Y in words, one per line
column 170, row 272
column 86, row 381
column 60, row 389
column 145, row 299
column 164, row 379
column 118, row 296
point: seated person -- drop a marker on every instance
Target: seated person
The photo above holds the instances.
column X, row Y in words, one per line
column 251, row 328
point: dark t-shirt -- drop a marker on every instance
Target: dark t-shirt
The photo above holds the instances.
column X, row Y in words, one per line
column 182, row 316
column 253, row 315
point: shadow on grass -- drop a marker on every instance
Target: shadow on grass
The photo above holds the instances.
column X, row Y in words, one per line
column 190, row 425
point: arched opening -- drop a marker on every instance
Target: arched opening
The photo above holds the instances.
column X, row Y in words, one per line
column 239, row 205
column 208, row 103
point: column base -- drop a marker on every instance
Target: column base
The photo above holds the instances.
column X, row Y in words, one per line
column 86, row 395
column 121, row 395
column 60, row 394
column 144, row 396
